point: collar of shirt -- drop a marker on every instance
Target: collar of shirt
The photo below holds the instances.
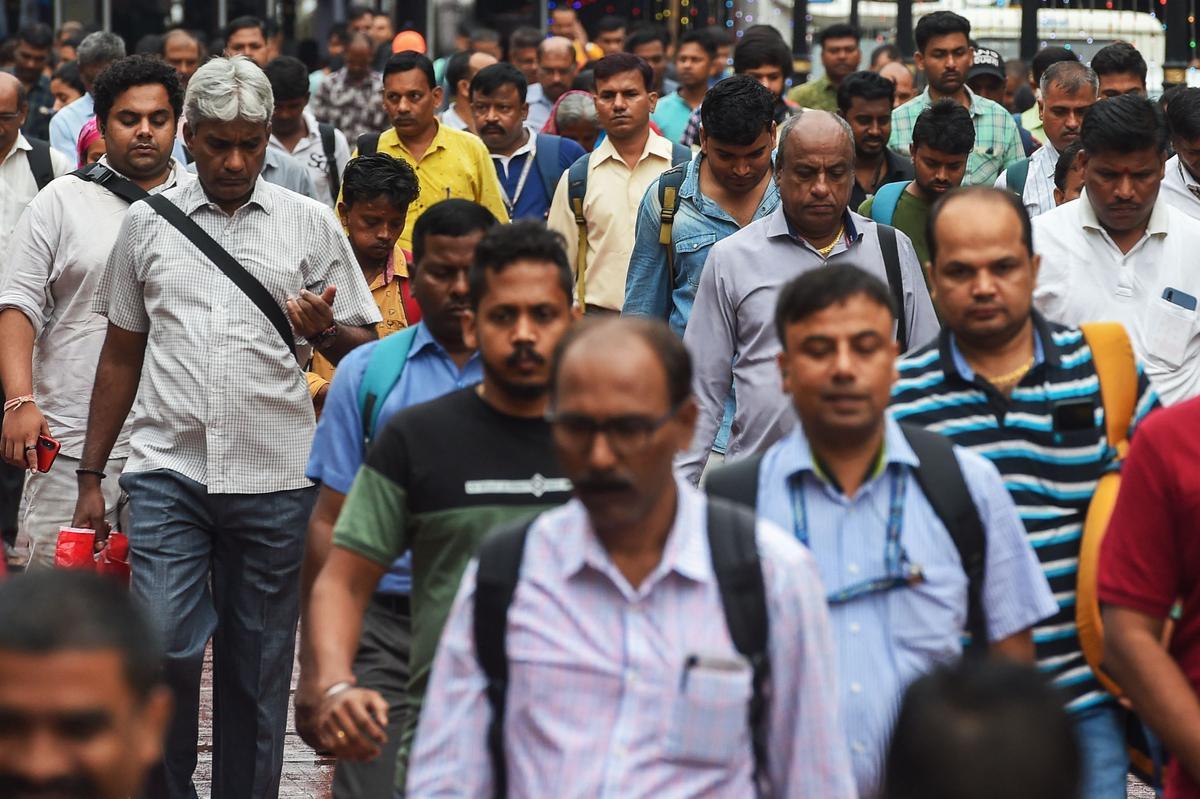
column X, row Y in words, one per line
column 655, row 145
column 390, row 138
column 20, row 144
column 423, row 341
column 530, row 146
column 796, row 456
column 178, row 176
column 1156, row 226
column 1042, row 339
column 690, row 190
column 779, row 225
column 312, row 137
column 194, row 197
column 388, row 274
column 976, row 106
column 1185, row 177
column 685, row 551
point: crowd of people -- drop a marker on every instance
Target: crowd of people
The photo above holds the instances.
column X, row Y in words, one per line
column 487, row 383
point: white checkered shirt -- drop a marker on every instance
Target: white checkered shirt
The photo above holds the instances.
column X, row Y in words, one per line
column 221, row 399
column 1038, row 195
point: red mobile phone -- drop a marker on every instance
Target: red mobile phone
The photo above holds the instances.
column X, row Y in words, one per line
column 47, row 451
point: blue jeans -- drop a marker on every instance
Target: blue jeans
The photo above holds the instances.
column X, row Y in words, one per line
column 1100, row 731
column 225, row 567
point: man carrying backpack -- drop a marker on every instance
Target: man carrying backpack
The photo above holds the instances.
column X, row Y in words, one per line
column 1026, row 393
column 528, row 164
column 915, row 540
column 586, row 645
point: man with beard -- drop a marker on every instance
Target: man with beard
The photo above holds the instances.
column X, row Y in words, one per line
column 450, row 163
column 440, row 475
column 82, row 705
column 865, row 101
column 942, row 140
column 945, row 55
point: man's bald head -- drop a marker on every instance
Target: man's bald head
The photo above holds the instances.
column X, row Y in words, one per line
column 13, row 100
column 811, row 127
column 12, row 89
column 556, row 44
column 899, row 74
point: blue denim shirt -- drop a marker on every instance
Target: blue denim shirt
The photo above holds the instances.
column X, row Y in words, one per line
column 699, row 224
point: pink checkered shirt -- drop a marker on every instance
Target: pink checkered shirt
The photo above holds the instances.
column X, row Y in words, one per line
column 597, row 704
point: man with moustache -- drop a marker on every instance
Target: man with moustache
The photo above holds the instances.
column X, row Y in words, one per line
column 865, row 101
column 556, row 69
column 418, row 492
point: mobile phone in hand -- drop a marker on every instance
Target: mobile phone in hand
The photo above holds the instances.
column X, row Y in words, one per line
column 47, row 451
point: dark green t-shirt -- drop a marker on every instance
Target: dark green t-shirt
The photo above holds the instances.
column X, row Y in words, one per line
column 911, row 214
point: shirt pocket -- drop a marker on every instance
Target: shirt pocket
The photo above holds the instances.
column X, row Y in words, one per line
column 690, row 254
column 1168, row 331
column 928, row 619
column 709, row 721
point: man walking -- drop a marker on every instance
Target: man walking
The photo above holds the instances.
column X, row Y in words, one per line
column 26, row 166
column 620, row 672
column 693, row 63
column 840, row 56
column 30, row 57
column 1180, row 185
column 556, row 69
column 96, row 52
column 865, row 101
column 219, row 499
column 349, row 98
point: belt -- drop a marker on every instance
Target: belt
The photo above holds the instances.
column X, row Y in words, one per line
column 393, row 603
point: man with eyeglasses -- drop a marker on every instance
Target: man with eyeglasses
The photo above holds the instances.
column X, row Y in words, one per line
column 439, row 476
column 868, row 497
column 623, row 675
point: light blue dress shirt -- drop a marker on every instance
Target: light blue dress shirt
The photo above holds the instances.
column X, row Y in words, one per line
column 337, row 451
column 886, row 640
column 66, row 124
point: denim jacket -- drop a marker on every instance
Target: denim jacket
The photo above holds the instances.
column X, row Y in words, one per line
column 699, row 224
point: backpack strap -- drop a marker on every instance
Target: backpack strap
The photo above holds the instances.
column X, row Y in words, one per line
column 39, row 162
column 883, row 204
column 496, row 579
column 1116, row 368
column 384, row 368
column 1016, row 176
column 680, row 154
column 368, row 144
column 736, row 482
column 734, row 547
column 890, row 250
column 546, row 158
column 669, row 183
column 941, row 480
column 101, row 175
column 577, row 177
column 329, row 145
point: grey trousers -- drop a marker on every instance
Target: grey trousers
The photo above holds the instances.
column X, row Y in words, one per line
column 381, row 664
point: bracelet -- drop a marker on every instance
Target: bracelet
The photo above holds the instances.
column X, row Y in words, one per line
column 96, row 472
column 325, row 336
column 17, row 402
column 337, row 688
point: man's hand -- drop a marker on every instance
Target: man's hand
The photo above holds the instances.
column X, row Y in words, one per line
column 318, row 399
column 311, row 313
column 308, row 702
column 89, row 508
column 22, row 426
column 351, row 723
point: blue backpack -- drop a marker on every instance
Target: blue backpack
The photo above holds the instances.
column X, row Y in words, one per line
column 384, row 368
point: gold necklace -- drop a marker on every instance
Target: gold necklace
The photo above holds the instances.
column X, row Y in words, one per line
column 824, row 251
column 1013, row 377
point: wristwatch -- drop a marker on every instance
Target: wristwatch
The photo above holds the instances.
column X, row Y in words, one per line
column 326, row 336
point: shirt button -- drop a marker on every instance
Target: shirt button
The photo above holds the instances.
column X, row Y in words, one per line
column 855, row 688
column 859, row 747
column 855, row 627
column 852, row 568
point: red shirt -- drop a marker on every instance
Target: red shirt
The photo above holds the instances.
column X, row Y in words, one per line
column 1151, row 555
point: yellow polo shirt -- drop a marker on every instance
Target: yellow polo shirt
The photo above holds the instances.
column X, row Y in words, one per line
column 457, row 164
column 610, row 207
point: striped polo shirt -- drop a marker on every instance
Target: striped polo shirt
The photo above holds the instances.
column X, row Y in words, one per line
column 1048, row 442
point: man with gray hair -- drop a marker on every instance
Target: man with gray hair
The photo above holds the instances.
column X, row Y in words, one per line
column 1068, row 90
column 731, row 335
column 95, row 53
column 223, row 422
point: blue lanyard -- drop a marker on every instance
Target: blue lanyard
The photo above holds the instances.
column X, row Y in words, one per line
column 900, row 572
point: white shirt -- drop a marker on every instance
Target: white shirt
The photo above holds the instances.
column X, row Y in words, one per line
column 310, row 154
column 1038, row 195
column 17, row 186
column 59, row 250
column 1175, row 188
column 451, row 119
column 1084, row 277
column 539, row 107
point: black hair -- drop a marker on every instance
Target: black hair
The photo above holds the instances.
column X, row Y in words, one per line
column 36, row 35
column 610, row 24
column 68, row 73
column 487, row 35
column 890, row 50
column 839, row 30
column 1126, row 124
column 1183, row 114
column 823, row 287
column 134, row 70
column 1118, row 58
column 753, row 52
column 288, row 77
column 1046, row 58
column 454, row 217
column 737, row 110
column 271, row 28
column 1012, row 199
column 666, row 345
column 945, row 126
column 493, row 77
column 61, row 610
column 525, row 239
column 457, row 67
column 615, row 64
column 1066, row 161
column 524, row 38
column 357, row 12
column 983, row 728
column 866, row 85
column 721, row 35
column 646, row 33
column 940, row 23
column 1169, row 96
column 701, row 38
column 149, row 44
column 377, row 175
column 585, row 81
column 410, row 59
column 242, row 23
column 340, row 30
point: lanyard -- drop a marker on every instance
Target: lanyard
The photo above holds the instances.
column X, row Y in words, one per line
column 900, row 572
column 510, row 204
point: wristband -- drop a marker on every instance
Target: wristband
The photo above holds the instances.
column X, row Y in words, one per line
column 17, row 402
column 337, row 688
column 325, row 336
column 96, row 472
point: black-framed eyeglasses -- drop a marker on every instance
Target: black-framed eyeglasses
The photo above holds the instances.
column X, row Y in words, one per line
column 627, row 434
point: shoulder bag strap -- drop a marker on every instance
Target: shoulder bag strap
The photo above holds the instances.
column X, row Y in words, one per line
column 329, row 145
column 101, row 175
column 890, row 251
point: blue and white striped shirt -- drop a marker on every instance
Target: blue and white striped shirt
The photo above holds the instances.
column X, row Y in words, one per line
column 1051, row 473
column 886, row 640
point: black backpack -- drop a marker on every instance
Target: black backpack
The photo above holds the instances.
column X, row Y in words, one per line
column 941, row 480
column 39, row 162
column 731, row 537
column 328, row 144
